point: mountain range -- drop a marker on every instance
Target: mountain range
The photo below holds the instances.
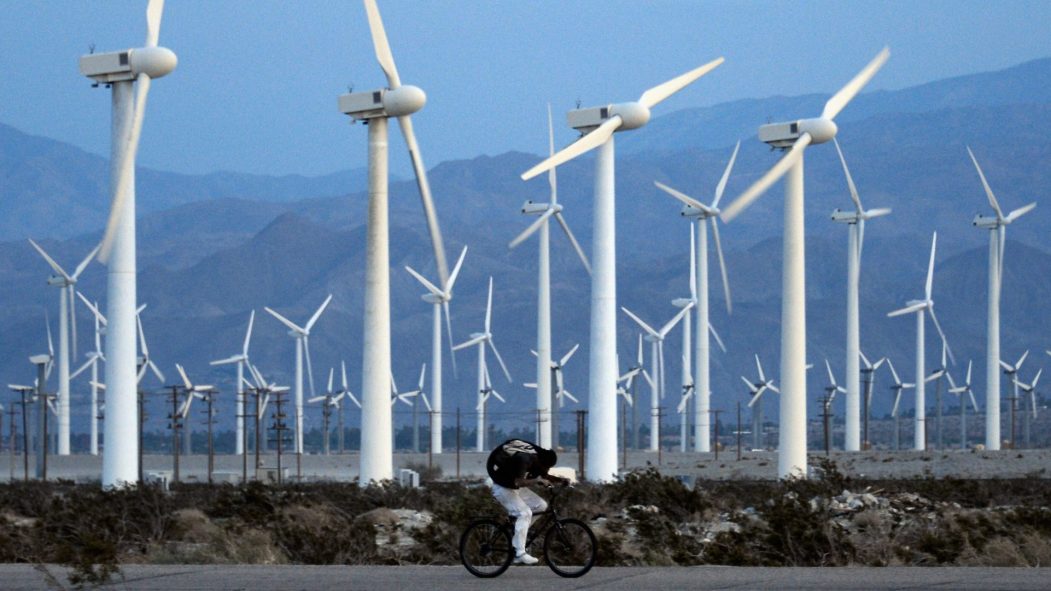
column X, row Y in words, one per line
column 214, row 247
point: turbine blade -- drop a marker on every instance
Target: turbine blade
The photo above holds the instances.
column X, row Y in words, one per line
column 907, row 309
column 1021, row 360
column 426, row 200
column 449, row 333
column 489, row 307
column 1021, row 211
column 91, row 256
column 573, row 241
column 72, row 305
column 343, row 372
column 930, row 267
column 639, row 321
column 185, row 380
column 499, row 359
column 584, row 144
column 552, row 178
column 850, row 180
column 284, row 320
column 759, row 368
column 122, row 191
column 848, row 92
column 331, row 375
column 381, row 45
column 985, row 184
column 722, row 265
column 154, row 10
column 320, row 310
column 156, row 371
column 455, row 273
column 427, row 284
column 532, row 228
column 683, row 197
column 50, row 261
column 675, row 320
column 473, row 341
column 772, row 176
column 718, row 340
column 310, row 367
column 945, row 341
column 721, row 187
column 248, row 334
column 566, row 358
column 659, row 93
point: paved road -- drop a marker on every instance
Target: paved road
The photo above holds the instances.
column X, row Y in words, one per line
column 431, row 578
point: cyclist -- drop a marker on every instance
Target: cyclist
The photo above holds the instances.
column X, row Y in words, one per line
column 513, row 465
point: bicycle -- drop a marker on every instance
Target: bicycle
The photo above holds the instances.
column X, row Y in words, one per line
column 570, row 547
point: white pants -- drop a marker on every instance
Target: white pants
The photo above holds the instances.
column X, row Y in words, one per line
column 521, row 503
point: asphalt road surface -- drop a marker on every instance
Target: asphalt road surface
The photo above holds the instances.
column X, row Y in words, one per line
column 430, row 578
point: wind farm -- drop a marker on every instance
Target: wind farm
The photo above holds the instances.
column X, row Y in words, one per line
column 554, row 338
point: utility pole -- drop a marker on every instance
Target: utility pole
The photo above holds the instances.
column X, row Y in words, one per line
column 715, row 419
column 209, row 398
column 342, row 404
column 1014, row 404
column 738, row 430
column 279, row 427
column 175, row 424
column 14, row 438
column 243, row 418
column 457, row 442
column 326, row 414
column 623, row 434
column 825, row 417
column 660, row 452
column 258, row 394
column 142, row 424
column 581, row 422
column 41, row 362
column 866, row 408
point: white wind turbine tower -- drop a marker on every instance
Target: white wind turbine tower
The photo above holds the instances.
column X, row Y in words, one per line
column 375, row 108
column 919, row 307
column 757, row 389
column 481, row 339
column 656, row 339
column 598, row 125
column 302, row 336
column 795, row 136
column 543, row 325
column 698, row 213
column 997, row 225
column 439, row 298
column 93, row 361
column 121, row 70
column 240, row 359
column 67, row 320
column 855, row 221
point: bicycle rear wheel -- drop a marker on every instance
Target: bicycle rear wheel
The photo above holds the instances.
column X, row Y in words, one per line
column 485, row 548
column 570, row 548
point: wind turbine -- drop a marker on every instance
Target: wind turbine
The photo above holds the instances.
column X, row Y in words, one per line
column 121, row 70
column 919, row 307
column 698, row 213
column 897, row 389
column 936, row 376
column 830, row 395
column 344, row 393
column 959, row 391
column 855, row 221
column 375, row 108
column 795, row 136
column 439, row 298
column 757, row 389
column 543, row 306
column 598, row 124
column 67, row 319
column 327, row 400
column 656, row 339
column 240, row 359
column 302, row 336
column 1029, row 389
column 487, row 392
column 997, row 226
column 1011, row 371
column 628, row 392
column 93, row 362
column 481, row 339
column 684, row 402
column 192, row 391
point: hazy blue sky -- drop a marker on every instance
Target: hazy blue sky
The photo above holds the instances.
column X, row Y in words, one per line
column 257, row 81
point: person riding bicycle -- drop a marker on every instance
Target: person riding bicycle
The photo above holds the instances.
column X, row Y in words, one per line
column 513, row 465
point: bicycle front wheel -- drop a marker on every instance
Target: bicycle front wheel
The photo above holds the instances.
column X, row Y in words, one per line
column 570, row 548
column 485, row 548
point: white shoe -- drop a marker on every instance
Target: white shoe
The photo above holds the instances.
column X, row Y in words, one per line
column 525, row 559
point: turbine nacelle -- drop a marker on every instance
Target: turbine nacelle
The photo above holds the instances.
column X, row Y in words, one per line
column 989, row 222
column 633, row 115
column 120, row 66
column 397, row 102
column 783, row 135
